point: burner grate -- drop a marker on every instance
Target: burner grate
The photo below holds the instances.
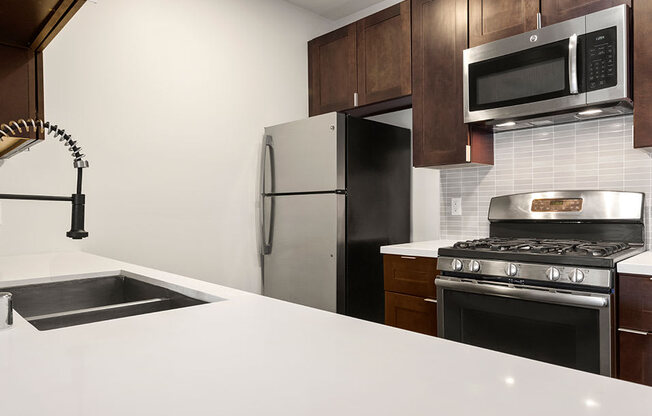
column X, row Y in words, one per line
column 544, row 246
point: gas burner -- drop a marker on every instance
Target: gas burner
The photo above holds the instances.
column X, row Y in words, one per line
column 544, row 246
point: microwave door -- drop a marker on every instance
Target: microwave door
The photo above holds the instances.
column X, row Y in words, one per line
column 532, row 73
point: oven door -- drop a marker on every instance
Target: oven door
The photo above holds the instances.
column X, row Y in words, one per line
column 567, row 329
column 533, row 73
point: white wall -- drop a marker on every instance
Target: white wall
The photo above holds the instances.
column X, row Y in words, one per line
column 425, row 187
column 169, row 100
column 365, row 12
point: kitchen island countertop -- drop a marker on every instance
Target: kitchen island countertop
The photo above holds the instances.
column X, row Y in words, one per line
column 251, row 355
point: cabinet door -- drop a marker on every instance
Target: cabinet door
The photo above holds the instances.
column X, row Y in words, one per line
column 410, row 275
column 490, row 20
column 384, row 56
column 440, row 136
column 413, row 313
column 642, row 74
column 635, row 302
column 635, row 357
column 332, row 74
column 555, row 11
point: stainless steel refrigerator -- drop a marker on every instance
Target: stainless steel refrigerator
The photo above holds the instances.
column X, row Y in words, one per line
column 334, row 188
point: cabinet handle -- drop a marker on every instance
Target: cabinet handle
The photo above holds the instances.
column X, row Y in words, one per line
column 408, row 257
column 355, row 99
column 633, row 331
column 538, row 20
column 431, row 300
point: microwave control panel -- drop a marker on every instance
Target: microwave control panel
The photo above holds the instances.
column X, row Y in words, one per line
column 601, row 59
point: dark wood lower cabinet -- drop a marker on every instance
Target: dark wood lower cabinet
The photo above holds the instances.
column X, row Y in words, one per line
column 413, row 313
column 635, row 352
column 635, row 328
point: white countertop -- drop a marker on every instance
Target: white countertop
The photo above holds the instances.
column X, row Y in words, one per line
column 417, row 249
column 250, row 355
column 640, row 264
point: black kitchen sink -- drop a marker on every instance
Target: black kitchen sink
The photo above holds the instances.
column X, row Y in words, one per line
column 75, row 302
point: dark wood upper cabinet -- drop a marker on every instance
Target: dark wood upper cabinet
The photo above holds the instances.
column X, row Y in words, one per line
column 332, row 71
column 440, row 137
column 28, row 27
column 642, row 74
column 384, row 57
column 555, row 11
column 34, row 23
column 491, row 20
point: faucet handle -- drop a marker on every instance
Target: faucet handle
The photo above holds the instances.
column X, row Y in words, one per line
column 6, row 311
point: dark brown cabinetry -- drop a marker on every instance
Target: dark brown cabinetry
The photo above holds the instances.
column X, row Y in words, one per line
column 384, row 58
column 410, row 293
column 490, row 20
column 29, row 26
column 635, row 328
column 635, row 351
column 332, row 71
column 439, row 35
column 555, row 11
column 413, row 313
column 363, row 63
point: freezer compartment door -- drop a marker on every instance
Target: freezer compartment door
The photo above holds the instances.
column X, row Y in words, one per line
column 305, row 155
column 305, row 259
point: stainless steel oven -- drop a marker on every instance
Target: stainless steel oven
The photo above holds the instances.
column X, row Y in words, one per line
column 542, row 284
column 572, row 70
column 566, row 328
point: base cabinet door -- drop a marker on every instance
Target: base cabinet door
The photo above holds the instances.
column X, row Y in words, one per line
column 413, row 313
column 635, row 351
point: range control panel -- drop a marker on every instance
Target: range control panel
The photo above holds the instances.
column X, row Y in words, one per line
column 601, row 59
column 557, row 205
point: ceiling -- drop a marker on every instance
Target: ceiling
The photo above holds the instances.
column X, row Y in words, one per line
column 334, row 9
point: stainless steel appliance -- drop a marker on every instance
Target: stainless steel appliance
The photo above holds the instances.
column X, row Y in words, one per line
column 542, row 285
column 573, row 70
column 334, row 189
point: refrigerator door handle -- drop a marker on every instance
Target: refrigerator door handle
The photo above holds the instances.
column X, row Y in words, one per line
column 266, row 239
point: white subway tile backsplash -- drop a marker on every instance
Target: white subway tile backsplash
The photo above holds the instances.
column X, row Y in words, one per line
column 594, row 154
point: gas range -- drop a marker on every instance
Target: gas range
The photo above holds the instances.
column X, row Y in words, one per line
column 542, row 285
column 569, row 239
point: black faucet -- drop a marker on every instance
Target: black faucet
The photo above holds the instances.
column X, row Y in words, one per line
column 78, row 199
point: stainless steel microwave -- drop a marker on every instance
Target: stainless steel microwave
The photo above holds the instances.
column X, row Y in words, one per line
column 569, row 71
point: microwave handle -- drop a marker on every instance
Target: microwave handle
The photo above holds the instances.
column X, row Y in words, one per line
column 572, row 64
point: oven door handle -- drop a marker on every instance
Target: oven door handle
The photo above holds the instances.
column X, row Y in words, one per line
column 572, row 64
column 585, row 301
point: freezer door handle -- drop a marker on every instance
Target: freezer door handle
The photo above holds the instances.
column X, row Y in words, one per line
column 267, row 237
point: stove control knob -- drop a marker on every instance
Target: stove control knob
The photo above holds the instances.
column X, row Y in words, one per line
column 474, row 266
column 511, row 270
column 576, row 276
column 553, row 274
column 457, row 265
